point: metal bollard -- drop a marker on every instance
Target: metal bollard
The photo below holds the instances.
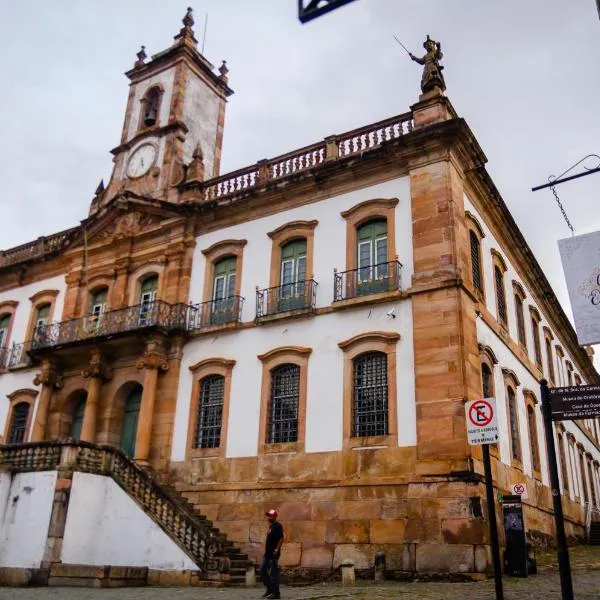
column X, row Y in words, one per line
column 380, row 566
column 251, row 575
column 348, row 575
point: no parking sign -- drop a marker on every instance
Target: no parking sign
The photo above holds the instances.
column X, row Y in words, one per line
column 482, row 423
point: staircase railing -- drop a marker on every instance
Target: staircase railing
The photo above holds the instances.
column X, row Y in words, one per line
column 196, row 538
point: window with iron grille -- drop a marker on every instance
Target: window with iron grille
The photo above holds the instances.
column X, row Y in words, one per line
column 520, row 320
column 515, row 441
column 535, row 453
column 283, row 404
column 476, row 262
column 210, row 412
column 19, row 423
column 500, row 298
column 370, row 395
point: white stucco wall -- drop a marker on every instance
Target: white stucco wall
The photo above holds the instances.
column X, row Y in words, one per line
column 106, row 527
column 322, row 333
column 201, row 115
column 506, row 359
column 25, row 509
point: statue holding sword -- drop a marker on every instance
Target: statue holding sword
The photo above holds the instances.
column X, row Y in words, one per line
column 432, row 73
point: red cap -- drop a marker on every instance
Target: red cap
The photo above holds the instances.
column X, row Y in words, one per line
column 271, row 513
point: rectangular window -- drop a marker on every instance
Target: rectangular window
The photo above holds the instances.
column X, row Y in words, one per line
column 500, row 298
column 536, row 341
column 520, row 321
column 365, row 261
column 282, row 426
column 550, row 360
column 476, row 262
column 370, row 406
column 210, row 412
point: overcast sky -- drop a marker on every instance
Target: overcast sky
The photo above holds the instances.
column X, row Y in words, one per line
column 523, row 73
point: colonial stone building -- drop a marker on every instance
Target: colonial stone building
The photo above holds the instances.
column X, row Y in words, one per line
column 302, row 333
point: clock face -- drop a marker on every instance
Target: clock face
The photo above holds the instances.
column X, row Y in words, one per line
column 141, row 160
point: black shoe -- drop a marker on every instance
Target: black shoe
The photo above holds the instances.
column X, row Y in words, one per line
column 274, row 595
column 266, row 594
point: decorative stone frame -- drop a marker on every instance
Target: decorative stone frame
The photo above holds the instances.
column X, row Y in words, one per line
column 24, row 395
column 379, row 208
column 144, row 100
column 137, row 278
column 8, row 307
column 289, row 232
column 215, row 253
column 488, row 358
column 499, row 262
column 475, row 228
column 550, row 365
column 373, row 341
column 512, row 381
column 201, row 370
column 530, row 404
column 37, row 300
column 519, row 295
column 296, row 355
column 534, row 315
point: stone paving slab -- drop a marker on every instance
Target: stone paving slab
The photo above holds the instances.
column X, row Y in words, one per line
column 545, row 586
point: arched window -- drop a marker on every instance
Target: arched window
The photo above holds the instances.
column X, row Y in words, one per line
column 282, row 424
column 370, row 406
column 79, row 407
column 4, row 323
column 476, row 261
column 586, row 497
column 130, row 420
column 535, row 332
column 209, row 417
column 500, row 296
column 372, row 258
column 515, row 441
column 519, row 314
column 148, row 299
column 533, row 437
column 18, row 425
column 293, row 274
column 151, row 107
column 563, row 462
column 487, row 380
column 549, row 360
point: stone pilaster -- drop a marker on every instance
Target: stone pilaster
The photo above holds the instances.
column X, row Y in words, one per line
column 50, row 380
column 153, row 361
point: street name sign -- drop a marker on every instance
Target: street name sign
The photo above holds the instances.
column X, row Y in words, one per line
column 577, row 402
column 482, row 422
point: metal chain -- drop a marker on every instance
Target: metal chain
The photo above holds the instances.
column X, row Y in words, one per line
column 562, row 210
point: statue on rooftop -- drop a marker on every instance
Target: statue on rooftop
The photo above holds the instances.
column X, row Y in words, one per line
column 432, row 73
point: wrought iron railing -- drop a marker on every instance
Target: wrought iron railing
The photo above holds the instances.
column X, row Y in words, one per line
column 301, row 295
column 19, row 356
column 368, row 280
column 215, row 312
column 195, row 536
column 133, row 318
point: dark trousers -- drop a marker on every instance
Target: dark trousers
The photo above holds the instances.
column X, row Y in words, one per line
column 269, row 574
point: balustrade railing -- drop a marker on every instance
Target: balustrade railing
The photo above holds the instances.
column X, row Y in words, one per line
column 196, row 537
column 141, row 316
column 215, row 312
column 19, row 356
column 367, row 280
column 301, row 295
column 35, row 249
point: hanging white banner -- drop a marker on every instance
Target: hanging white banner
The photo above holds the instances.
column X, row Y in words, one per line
column 580, row 257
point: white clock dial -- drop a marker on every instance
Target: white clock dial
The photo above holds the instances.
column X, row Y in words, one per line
column 141, row 160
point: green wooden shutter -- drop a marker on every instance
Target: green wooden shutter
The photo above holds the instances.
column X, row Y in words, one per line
column 78, row 417
column 4, row 323
column 130, row 421
column 372, row 257
column 224, row 290
column 293, row 275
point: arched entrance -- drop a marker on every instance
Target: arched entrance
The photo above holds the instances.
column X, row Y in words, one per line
column 130, row 420
column 79, row 405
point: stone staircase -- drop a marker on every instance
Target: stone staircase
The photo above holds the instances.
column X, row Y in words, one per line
column 594, row 537
column 218, row 560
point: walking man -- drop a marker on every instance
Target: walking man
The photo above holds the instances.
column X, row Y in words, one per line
column 269, row 567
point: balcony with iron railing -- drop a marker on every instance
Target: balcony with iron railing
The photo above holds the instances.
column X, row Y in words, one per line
column 4, row 357
column 289, row 297
column 367, row 281
column 214, row 313
column 18, row 355
column 152, row 315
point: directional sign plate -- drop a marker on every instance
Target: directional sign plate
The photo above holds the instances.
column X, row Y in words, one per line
column 578, row 402
column 482, row 423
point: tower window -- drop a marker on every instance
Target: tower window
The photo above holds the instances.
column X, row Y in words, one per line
column 151, row 107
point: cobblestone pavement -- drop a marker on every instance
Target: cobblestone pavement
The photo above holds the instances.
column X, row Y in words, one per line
column 544, row 586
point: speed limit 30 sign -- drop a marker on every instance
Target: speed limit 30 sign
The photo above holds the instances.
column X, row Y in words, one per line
column 482, row 422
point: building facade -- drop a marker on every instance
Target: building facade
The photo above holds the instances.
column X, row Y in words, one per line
column 301, row 333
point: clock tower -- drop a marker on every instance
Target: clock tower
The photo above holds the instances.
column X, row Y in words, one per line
column 176, row 106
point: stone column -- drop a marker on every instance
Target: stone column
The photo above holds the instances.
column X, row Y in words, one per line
column 153, row 361
column 49, row 380
column 96, row 372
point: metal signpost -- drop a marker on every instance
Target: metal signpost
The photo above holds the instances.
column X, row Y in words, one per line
column 482, row 429
column 550, row 398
